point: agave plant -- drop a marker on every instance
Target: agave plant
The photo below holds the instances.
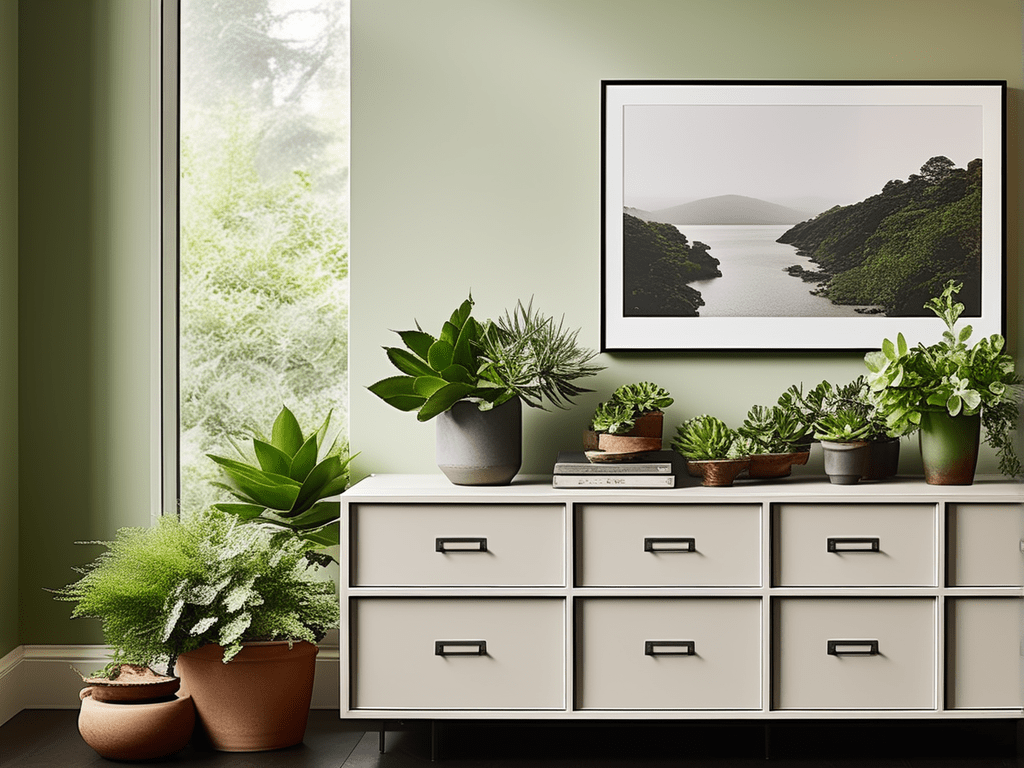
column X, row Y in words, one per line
column 286, row 485
column 523, row 354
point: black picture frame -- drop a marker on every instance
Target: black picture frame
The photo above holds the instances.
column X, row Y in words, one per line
column 740, row 157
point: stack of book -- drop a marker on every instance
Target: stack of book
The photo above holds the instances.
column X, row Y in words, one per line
column 657, row 469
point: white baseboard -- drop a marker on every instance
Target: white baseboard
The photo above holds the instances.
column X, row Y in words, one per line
column 41, row 676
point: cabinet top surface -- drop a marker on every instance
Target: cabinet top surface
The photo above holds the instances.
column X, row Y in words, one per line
column 797, row 488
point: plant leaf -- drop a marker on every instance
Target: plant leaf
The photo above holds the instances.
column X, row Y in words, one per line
column 440, row 355
column 318, row 479
column 405, row 402
column 271, row 459
column 407, row 362
column 328, row 536
column 449, row 332
column 304, row 461
column 418, row 341
column 242, row 511
column 393, row 386
column 463, row 352
column 320, row 514
column 271, row 490
column 287, row 435
column 457, row 372
column 443, row 399
column 425, row 386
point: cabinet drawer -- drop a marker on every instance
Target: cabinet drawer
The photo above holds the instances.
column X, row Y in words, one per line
column 668, row 653
column 457, row 653
column 854, row 545
column 854, row 653
column 983, row 653
column 668, row 545
column 985, row 543
column 458, row 545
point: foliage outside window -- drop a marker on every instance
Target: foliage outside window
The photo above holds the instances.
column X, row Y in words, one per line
column 264, row 223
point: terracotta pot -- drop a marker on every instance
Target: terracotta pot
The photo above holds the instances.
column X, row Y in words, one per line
column 644, row 437
column 949, row 447
column 133, row 684
column 720, row 472
column 765, row 466
column 475, row 447
column 136, row 731
column 844, row 462
column 257, row 701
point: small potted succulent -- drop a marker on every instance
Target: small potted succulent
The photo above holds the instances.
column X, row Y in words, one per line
column 843, row 435
column 473, row 377
column 713, row 451
column 777, row 436
column 949, row 391
column 629, row 422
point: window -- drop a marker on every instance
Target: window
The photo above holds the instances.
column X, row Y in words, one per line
column 262, row 230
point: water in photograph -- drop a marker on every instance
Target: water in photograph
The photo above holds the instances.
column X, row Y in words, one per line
column 753, row 282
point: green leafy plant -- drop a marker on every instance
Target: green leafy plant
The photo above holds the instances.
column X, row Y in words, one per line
column 208, row 578
column 707, row 438
column 774, row 429
column 844, row 426
column 523, row 354
column 629, row 402
column 949, row 376
column 285, row 480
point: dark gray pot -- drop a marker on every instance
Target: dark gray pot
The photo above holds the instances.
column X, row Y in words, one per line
column 844, row 462
column 477, row 447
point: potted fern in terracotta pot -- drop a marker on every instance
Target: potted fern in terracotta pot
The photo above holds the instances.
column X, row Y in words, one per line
column 234, row 609
column 473, row 378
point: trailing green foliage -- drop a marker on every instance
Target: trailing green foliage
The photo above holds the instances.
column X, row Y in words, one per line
column 285, row 483
column 706, row 438
column 949, row 376
column 899, row 247
column 658, row 263
column 523, row 354
column 162, row 591
column 629, row 402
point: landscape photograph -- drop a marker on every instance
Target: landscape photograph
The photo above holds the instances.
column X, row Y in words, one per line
column 800, row 210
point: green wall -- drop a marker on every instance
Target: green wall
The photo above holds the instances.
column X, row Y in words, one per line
column 87, row 233
column 476, row 165
column 9, row 637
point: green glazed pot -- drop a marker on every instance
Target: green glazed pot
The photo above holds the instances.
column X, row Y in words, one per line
column 949, row 447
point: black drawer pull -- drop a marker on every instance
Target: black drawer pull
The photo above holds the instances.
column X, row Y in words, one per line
column 653, row 544
column 852, row 647
column 460, row 544
column 460, row 647
column 853, row 544
column 672, row 648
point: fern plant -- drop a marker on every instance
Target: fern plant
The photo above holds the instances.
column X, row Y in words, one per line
column 162, row 591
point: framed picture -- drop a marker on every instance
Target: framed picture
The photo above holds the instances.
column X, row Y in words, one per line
column 792, row 215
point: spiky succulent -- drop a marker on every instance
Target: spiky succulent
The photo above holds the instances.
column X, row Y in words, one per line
column 773, row 429
column 705, row 438
column 618, row 414
column 843, row 426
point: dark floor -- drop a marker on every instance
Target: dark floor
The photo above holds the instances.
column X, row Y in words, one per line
column 49, row 739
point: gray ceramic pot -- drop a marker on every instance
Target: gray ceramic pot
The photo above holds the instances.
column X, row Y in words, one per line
column 844, row 462
column 477, row 447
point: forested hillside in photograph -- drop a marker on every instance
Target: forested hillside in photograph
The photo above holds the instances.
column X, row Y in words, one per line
column 897, row 249
column 658, row 263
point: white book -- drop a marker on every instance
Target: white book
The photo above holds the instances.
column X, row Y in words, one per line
column 613, row 481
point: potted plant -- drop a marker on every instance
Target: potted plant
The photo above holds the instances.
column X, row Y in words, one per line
column 474, row 377
column 949, row 391
column 630, row 422
column 713, row 451
column 235, row 609
column 843, row 436
column 883, row 444
column 284, row 480
column 777, row 436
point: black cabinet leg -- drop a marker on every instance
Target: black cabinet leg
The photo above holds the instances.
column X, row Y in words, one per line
column 381, row 736
column 435, row 737
column 767, row 741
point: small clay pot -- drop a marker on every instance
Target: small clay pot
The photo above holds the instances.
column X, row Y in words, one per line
column 136, row 731
column 134, row 683
column 718, row 472
column 767, row 466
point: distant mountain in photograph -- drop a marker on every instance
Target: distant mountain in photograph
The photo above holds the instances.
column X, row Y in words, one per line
column 728, row 209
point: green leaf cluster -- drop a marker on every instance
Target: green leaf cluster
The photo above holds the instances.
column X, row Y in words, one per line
column 207, row 578
column 949, row 376
column 288, row 481
column 773, row 429
column 629, row 402
column 843, row 426
column 523, row 354
column 707, row 438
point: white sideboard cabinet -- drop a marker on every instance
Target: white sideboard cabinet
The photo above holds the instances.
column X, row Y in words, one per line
column 787, row 599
